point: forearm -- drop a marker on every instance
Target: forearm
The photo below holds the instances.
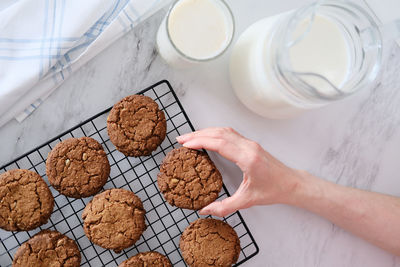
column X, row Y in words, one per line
column 372, row 216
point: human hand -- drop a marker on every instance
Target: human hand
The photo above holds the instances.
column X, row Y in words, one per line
column 266, row 180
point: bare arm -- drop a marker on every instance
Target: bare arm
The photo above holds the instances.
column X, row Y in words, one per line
column 372, row 216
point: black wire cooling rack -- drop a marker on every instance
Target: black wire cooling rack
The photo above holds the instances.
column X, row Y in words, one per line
column 165, row 223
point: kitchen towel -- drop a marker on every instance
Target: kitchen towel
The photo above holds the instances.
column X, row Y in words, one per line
column 43, row 41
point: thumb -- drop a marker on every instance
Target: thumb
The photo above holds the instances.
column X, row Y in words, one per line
column 240, row 200
column 225, row 206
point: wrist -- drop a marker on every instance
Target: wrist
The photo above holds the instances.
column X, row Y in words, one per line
column 306, row 189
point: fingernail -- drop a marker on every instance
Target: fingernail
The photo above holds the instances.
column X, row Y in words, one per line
column 203, row 212
column 181, row 137
column 187, row 144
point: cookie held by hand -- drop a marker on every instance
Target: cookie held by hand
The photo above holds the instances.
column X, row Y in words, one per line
column 189, row 179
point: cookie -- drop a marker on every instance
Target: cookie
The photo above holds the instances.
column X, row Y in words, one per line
column 78, row 167
column 209, row 242
column 189, row 179
column 151, row 258
column 114, row 219
column 48, row 248
column 25, row 200
column 136, row 126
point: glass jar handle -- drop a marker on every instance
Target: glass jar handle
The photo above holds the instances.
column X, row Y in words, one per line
column 389, row 32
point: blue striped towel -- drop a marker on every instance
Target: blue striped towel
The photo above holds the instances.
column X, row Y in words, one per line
column 43, row 41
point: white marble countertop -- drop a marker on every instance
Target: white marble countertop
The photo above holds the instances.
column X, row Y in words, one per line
column 353, row 142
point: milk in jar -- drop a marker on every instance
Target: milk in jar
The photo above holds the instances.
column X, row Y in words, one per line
column 314, row 62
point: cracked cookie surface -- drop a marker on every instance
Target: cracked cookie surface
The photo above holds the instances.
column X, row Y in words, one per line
column 48, row 248
column 25, row 200
column 189, row 179
column 136, row 126
column 209, row 242
column 78, row 167
column 114, row 219
column 144, row 259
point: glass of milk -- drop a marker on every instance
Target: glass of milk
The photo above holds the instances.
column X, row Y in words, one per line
column 195, row 31
column 306, row 58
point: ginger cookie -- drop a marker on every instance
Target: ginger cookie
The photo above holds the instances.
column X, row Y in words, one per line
column 114, row 219
column 78, row 167
column 209, row 242
column 136, row 126
column 189, row 179
column 151, row 258
column 48, row 248
column 25, row 200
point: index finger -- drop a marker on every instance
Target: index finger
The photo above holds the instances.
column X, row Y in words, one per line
column 218, row 132
column 228, row 150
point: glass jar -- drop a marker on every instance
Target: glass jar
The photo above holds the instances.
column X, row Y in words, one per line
column 306, row 58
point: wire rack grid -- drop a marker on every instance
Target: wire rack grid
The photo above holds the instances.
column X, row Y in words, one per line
column 165, row 223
